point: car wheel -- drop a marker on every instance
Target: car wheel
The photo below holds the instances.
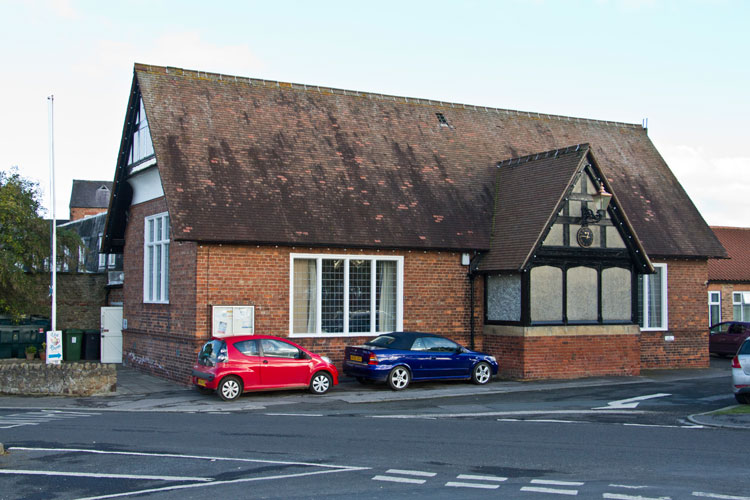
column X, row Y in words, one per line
column 742, row 399
column 320, row 383
column 229, row 388
column 399, row 378
column 481, row 374
column 203, row 390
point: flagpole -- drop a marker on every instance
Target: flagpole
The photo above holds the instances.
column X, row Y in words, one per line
column 53, row 263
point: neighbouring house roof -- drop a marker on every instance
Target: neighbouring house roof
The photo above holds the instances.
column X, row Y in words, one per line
column 736, row 240
column 90, row 194
column 254, row 161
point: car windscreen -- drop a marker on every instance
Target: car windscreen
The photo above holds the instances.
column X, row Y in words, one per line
column 745, row 347
column 210, row 352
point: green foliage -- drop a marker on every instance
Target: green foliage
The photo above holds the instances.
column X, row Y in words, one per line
column 24, row 241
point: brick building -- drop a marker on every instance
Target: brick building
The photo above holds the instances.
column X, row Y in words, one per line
column 564, row 246
column 729, row 279
column 89, row 198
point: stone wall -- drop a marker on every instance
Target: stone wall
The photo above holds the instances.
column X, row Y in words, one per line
column 35, row 378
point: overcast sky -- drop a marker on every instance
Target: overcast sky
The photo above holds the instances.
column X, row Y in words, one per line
column 681, row 64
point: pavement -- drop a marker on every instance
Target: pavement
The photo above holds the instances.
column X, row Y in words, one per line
column 140, row 392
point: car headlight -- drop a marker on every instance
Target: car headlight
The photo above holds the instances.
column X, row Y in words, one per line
column 326, row 359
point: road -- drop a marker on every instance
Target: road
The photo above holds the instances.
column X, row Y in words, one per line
column 627, row 441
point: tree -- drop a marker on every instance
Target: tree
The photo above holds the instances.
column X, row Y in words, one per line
column 24, row 241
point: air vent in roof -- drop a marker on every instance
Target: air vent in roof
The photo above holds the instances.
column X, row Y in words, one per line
column 441, row 120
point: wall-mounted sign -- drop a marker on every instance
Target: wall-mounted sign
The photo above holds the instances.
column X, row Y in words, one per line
column 54, row 347
column 233, row 320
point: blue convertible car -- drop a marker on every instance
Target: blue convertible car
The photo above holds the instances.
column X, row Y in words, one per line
column 400, row 357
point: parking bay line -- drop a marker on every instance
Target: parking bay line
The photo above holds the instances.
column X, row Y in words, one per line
column 618, row 496
column 411, row 472
column 191, row 457
column 214, row 483
column 394, row 479
column 101, row 475
column 555, row 491
column 457, row 484
column 720, row 497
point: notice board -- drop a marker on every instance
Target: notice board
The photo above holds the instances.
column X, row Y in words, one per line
column 233, row 320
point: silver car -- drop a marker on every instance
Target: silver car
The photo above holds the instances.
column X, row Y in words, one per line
column 741, row 373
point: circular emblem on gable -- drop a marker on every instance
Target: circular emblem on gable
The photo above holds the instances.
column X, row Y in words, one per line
column 585, row 236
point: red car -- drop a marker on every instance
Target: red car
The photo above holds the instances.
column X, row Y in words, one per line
column 233, row 365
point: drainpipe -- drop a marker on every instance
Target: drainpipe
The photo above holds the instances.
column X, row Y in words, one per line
column 472, row 274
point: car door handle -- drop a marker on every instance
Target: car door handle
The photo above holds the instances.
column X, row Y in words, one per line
column 265, row 361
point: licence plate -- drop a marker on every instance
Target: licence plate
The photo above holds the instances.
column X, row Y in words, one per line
column 201, row 382
column 355, row 358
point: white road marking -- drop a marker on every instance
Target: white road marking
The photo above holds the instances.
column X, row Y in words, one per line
column 666, row 426
column 473, row 477
column 293, row 414
column 98, row 475
column 395, row 479
column 214, row 483
column 556, row 483
column 631, row 402
column 618, row 496
column 595, row 411
column 191, row 457
column 456, row 484
column 628, row 486
column 553, row 491
column 418, row 473
column 38, row 417
column 721, row 497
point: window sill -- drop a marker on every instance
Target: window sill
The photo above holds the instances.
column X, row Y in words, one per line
column 333, row 335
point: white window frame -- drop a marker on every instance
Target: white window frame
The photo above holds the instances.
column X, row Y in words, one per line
column 664, row 301
column 162, row 241
column 373, row 299
column 102, row 256
column 141, row 146
column 740, row 299
column 714, row 299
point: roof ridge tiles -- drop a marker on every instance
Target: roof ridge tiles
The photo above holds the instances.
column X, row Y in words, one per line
column 544, row 154
column 203, row 75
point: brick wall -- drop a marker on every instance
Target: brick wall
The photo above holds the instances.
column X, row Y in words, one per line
column 160, row 338
column 688, row 313
column 727, row 289
column 164, row 339
column 560, row 352
column 81, row 212
column 79, row 299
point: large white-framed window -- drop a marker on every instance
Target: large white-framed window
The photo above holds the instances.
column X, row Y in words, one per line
column 156, row 259
column 741, row 306
column 345, row 295
column 652, row 299
column 714, row 308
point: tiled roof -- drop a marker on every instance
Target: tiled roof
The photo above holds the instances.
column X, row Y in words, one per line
column 253, row 161
column 736, row 240
column 524, row 209
column 90, row 194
